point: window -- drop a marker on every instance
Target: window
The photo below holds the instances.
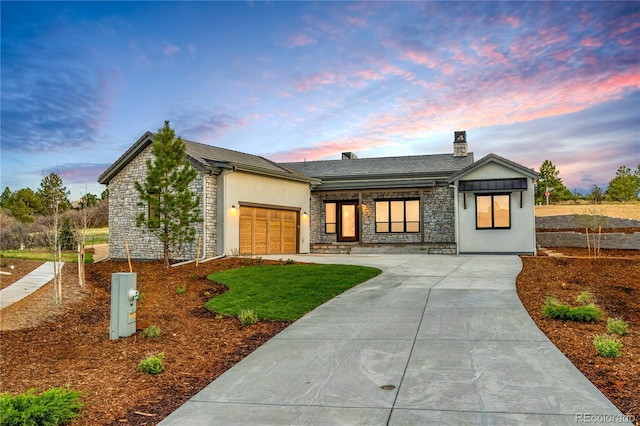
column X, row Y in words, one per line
column 492, row 211
column 398, row 216
column 330, row 218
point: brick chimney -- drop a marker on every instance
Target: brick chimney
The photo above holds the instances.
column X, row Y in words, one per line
column 460, row 147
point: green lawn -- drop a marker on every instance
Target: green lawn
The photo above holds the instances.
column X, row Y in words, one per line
column 43, row 256
column 97, row 236
column 284, row 292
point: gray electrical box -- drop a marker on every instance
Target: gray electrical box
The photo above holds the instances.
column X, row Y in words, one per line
column 123, row 305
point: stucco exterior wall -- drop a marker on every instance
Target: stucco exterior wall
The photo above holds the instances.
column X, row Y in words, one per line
column 519, row 238
column 438, row 219
column 239, row 187
column 123, row 210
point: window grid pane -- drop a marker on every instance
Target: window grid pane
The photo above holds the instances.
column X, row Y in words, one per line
column 397, row 216
column 330, row 218
column 493, row 211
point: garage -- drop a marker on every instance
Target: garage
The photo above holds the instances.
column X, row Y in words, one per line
column 268, row 230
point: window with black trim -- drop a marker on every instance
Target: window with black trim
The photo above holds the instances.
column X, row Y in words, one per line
column 493, row 211
column 397, row 216
column 330, row 218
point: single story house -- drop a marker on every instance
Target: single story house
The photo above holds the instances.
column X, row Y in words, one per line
column 443, row 203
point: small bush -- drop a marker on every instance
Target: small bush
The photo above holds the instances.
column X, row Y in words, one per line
column 55, row 406
column 247, row 317
column 290, row 262
column 586, row 298
column 182, row 289
column 192, row 276
column 617, row 326
column 259, row 260
column 556, row 310
column 153, row 364
column 151, row 332
column 607, row 346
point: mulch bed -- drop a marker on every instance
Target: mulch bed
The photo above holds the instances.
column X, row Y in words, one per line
column 70, row 345
column 614, row 279
column 44, row 345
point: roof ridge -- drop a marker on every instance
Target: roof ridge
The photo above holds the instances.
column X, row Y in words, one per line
column 372, row 158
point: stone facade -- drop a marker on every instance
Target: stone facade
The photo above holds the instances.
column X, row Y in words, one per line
column 438, row 218
column 124, row 208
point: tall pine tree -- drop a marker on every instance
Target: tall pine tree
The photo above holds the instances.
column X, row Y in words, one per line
column 173, row 209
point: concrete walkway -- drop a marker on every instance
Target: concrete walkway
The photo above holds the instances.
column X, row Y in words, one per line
column 432, row 340
column 27, row 284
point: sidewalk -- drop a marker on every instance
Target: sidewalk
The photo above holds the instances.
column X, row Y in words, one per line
column 434, row 339
column 27, row 284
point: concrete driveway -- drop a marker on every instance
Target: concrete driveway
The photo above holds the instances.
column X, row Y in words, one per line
column 434, row 339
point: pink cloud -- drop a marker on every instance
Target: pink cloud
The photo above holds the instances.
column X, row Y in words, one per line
column 489, row 51
column 329, row 149
column 590, row 42
column 357, row 21
column 316, row 80
column 299, row 40
column 419, row 58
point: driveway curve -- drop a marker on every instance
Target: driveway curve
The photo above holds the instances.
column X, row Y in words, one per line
column 433, row 339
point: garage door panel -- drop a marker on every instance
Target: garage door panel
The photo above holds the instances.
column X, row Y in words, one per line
column 268, row 231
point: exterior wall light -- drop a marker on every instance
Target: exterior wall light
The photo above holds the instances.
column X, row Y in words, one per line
column 233, row 208
column 304, row 215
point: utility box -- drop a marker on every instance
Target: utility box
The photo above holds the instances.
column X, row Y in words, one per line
column 123, row 305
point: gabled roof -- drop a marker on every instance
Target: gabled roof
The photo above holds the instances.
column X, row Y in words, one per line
column 209, row 158
column 494, row 158
column 383, row 172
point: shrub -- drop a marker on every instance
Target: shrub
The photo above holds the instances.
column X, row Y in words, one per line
column 247, row 317
column 607, row 346
column 52, row 407
column 556, row 310
column 617, row 326
column 153, row 364
column 586, row 298
column 151, row 332
column 192, row 276
column 182, row 289
column 290, row 262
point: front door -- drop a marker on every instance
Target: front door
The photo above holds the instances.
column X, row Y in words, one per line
column 348, row 225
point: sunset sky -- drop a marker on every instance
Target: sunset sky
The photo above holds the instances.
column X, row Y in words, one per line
column 530, row 81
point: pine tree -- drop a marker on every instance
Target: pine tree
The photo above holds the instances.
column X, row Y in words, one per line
column 625, row 186
column 53, row 192
column 550, row 180
column 172, row 207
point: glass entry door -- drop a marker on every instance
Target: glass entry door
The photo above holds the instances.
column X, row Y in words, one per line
column 348, row 226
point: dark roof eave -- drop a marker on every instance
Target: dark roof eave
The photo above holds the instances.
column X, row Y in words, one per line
column 373, row 184
column 272, row 173
column 125, row 158
column 494, row 158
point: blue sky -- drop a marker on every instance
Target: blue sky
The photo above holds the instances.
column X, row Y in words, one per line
column 530, row 81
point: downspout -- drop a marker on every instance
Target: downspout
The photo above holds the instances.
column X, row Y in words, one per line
column 222, row 210
column 456, row 211
column 204, row 210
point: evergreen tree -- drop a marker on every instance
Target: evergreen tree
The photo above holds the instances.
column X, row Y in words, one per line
column 52, row 192
column 596, row 194
column 550, row 180
column 88, row 200
column 24, row 204
column 625, row 186
column 66, row 239
column 172, row 207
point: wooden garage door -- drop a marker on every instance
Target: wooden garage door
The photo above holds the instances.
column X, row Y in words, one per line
column 267, row 231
